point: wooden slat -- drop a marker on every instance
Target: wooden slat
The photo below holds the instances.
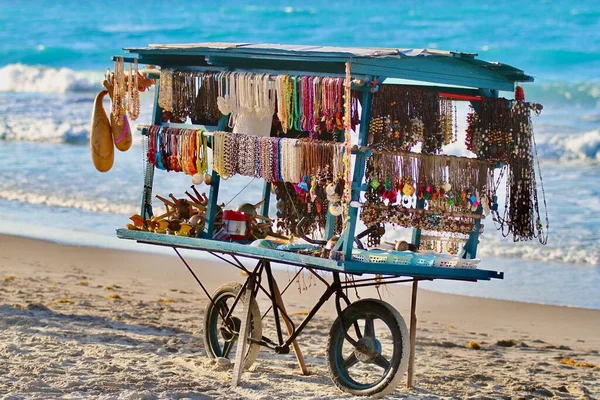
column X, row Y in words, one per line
column 242, row 342
column 290, row 329
column 412, row 335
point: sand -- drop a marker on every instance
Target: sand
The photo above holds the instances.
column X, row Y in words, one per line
column 79, row 322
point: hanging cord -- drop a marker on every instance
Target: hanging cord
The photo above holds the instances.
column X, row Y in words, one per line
column 542, row 237
column 238, row 193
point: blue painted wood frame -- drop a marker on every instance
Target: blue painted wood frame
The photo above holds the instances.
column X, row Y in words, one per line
column 359, row 172
column 443, row 69
column 146, row 208
column 213, row 196
column 286, row 257
column 264, row 210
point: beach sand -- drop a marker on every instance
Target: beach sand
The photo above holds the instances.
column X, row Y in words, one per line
column 79, row 322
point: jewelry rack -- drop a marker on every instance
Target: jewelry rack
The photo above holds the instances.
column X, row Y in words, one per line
column 460, row 76
column 365, row 84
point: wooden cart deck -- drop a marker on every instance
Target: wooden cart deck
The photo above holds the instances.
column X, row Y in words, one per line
column 351, row 267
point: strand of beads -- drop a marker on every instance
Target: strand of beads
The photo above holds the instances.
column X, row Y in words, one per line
column 347, row 195
column 119, row 100
column 134, row 97
column 165, row 93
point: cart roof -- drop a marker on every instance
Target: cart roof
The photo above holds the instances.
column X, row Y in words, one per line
column 424, row 65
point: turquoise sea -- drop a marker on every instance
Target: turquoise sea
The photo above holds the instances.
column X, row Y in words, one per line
column 53, row 56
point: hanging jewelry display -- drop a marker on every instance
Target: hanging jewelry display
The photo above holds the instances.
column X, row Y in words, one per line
column 449, row 187
column 443, row 242
column 414, row 116
column 245, row 97
column 184, row 93
column 302, row 208
column 489, row 130
column 501, row 130
column 179, row 150
column 276, row 159
column 522, row 216
column 133, row 108
column 303, row 103
column 205, row 110
column 448, row 121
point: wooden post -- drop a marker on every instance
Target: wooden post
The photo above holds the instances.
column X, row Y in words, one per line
column 290, row 330
column 413, row 334
column 240, row 353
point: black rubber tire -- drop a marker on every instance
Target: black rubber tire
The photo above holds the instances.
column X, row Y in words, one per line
column 214, row 341
column 395, row 368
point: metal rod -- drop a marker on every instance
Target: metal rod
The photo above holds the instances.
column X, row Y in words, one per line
column 284, row 290
column 318, row 276
column 194, row 275
column 374, row 283
column 339, row 294
column 271, row 283
column 322, row 300
column 454, row 96
column 228, row 262
column 142, row 127
column 238, row 261
column 386, row 278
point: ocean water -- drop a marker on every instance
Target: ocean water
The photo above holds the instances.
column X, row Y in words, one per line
column 53, row 57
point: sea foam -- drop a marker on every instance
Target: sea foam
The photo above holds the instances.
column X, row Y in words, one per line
column 45, row 130
column 506, row 248
column 40, row 79
column 582, row 147
column 55, row 200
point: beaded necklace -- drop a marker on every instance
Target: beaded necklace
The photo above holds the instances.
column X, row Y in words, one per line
column 133, row 105
column 414, row 114
column 119, row 100
column 347, row 144
column 165, row 94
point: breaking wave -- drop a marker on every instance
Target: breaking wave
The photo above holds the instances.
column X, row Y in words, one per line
column 577, row 147
column 53, row 200
column 45, row 130
column 508, row 249
column 40, row 79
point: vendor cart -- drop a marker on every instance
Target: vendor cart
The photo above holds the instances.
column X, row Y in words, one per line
column 369, row 335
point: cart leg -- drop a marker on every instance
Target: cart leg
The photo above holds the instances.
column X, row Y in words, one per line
column 244, row 330
column 413, row 334
column 290, row 330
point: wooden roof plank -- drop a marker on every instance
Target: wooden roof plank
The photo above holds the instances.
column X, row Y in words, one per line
column 426, row 65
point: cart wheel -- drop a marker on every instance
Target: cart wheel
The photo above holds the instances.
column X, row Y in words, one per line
column 379, row 362
column 220, row 336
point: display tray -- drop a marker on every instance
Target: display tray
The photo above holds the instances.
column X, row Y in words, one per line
column 351, row 267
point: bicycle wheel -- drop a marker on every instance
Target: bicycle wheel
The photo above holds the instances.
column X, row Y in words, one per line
column 220, row 337
column 378, row 362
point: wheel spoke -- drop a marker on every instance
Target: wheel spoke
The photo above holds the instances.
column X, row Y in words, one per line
column 227, row 347
column 369, row 327
column 357, row 330
column 380, row 361
column 350, row 361
column 223, row 310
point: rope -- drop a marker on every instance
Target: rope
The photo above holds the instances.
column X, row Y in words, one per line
column 240, row 192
